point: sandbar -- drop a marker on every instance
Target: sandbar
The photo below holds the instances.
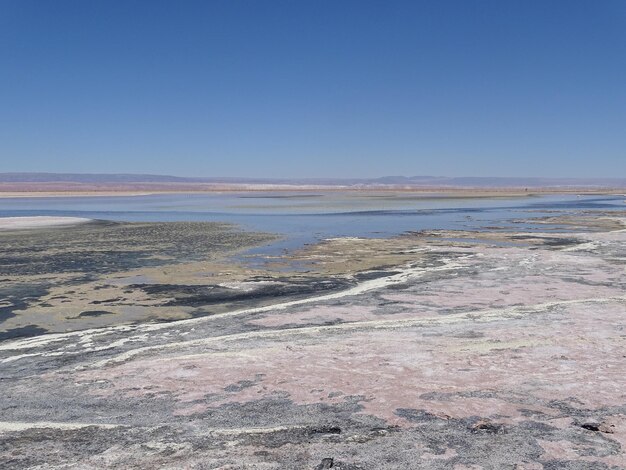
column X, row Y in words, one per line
column 20, row 223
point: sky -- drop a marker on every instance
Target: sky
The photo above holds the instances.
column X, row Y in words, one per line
column 324, row 88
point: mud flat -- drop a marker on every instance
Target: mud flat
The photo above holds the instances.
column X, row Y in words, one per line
column 77, row 276
column 434, row 350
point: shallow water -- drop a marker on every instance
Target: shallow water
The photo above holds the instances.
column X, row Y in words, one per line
column 307, row 217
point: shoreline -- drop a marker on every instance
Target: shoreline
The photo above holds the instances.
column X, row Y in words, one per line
column 440, row 193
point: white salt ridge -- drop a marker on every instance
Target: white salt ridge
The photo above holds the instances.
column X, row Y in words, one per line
column 16, row 426
column 20, row 223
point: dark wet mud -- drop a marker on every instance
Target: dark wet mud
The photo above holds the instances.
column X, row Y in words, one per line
column 209, row 295
column 46, row 272
column 105, row 247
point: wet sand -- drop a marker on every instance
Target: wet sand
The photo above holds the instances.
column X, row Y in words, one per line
column 433, row 350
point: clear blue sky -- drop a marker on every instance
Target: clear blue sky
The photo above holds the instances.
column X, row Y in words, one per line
column 314, row 88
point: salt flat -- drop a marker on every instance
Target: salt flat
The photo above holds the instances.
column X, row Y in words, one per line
column 19, row 223
column 439, row 349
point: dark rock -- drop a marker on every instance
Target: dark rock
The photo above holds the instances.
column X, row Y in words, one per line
column 591, row 426
column 325, row 430
column 325, row 464
column 488, row 427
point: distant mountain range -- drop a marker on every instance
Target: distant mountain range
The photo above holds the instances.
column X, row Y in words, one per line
column 404, row 181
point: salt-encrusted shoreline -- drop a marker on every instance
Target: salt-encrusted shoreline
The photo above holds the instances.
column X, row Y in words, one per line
column 431, row 350
column 19, row 223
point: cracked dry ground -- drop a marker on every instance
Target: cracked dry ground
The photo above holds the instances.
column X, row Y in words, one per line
column 503, row 352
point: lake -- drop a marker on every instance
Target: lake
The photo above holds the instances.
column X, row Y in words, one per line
column 307, row 217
